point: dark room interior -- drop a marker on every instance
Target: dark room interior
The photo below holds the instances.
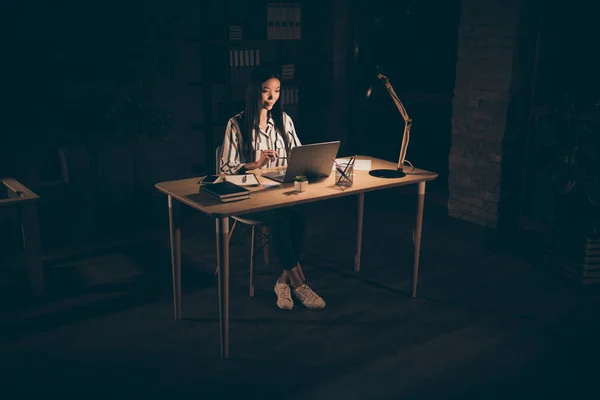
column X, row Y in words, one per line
column 113, row 110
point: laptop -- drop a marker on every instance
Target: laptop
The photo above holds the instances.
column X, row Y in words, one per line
column 312, row 160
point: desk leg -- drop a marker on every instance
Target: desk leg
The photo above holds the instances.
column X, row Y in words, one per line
column 417, row 236
column 175, row 231
column 361, row 205
column 223, row 265
column 30, row 230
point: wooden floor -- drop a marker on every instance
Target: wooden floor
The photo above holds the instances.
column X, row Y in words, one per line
column 487, row 323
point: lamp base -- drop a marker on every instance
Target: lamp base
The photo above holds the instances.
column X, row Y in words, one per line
column 387, row 173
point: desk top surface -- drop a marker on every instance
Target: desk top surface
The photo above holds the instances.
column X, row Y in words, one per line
column 18, row 193
column 263, row 199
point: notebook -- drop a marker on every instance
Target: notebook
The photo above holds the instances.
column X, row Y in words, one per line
column 243, row 180
column 226, row 191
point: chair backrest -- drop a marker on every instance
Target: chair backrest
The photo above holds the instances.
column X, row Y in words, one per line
column 218, row 154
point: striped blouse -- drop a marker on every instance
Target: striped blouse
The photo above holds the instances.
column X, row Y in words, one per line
column 232, row 159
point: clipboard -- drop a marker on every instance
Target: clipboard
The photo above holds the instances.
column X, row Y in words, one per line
column 243, row 180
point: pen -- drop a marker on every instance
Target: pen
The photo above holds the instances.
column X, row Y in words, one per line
column 350, row 164
column 337, row 166
column 244, row 179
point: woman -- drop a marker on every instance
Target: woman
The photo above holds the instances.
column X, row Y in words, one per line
column 262, row 136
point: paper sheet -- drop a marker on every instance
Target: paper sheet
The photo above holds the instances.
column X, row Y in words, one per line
column 267, row 183
column 359, row 165
column 239, row 180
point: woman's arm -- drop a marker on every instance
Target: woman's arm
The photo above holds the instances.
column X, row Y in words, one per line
column 231, row 162
column 230, row 156
column 291, row 131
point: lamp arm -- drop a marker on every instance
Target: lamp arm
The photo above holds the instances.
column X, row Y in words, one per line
column 407, row 119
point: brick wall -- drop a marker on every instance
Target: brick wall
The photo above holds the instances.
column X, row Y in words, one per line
column 486, row 48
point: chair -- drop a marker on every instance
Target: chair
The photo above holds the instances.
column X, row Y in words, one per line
column 262, row 231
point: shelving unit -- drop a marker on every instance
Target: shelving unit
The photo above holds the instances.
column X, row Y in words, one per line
column 243, row 37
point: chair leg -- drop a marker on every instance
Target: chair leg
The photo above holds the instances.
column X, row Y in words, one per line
column 252, row 262
column 265, row 232
column 232, row 228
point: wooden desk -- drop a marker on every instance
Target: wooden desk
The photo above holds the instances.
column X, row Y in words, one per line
column 186, row 191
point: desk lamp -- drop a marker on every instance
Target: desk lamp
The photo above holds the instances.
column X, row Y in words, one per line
column 395, row 173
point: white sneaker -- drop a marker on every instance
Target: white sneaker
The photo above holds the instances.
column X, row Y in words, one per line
column 284, row 297
column 309, row 299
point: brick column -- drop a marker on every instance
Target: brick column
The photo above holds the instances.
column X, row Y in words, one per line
column 486, row 45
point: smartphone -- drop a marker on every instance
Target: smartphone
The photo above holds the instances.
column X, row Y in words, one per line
column 209, row 179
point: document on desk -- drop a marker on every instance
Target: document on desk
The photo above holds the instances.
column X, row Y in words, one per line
column 270, row 184
column 243, row 180
column 359, row 165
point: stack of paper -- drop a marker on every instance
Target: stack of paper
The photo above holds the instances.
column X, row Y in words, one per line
column 359, row 165
column 269, row 184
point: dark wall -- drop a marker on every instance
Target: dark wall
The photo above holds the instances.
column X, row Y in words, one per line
column 101, row 107
column 87, row 72
column 414, row 44
column 565, row 78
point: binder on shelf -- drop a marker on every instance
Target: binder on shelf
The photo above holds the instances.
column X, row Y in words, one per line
column 235, row 32
column 297, row 28
column 277, row 21
column 287, row 72
column 284, row 21
column 290, row 23
column 231, row 71
column 241, row 64
column 270, row 22
column 289, row 95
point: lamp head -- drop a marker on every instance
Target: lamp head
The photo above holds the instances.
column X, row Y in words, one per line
column 370, row 80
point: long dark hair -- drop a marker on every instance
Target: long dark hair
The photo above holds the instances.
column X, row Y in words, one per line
column 251, row 111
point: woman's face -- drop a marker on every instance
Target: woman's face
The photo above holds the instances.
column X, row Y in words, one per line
column 270, row 93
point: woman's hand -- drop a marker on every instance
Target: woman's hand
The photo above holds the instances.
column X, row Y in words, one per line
column 266, row 156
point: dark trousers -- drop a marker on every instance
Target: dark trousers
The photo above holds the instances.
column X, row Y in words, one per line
column 288, row 228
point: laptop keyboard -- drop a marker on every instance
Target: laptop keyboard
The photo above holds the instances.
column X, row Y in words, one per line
column 275, row 175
